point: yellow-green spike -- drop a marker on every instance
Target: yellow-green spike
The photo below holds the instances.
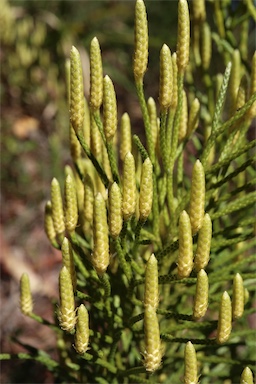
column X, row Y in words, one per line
column 197, row 197
column 225, row 319
column 140, row 60
column 203, row 244
column 109, row 109
column 146, row 190
column 82, row 330
column 76, row 91
column 96, row 75
column 129, row 187
column 115, row 210
column 185, row 257
column 183, row 117
column 57, row 207
column 190, row 371
column 71, row 208
column 100, row 256
column 247, row 376
column 151, row 294
column 153, row 351
column 238, row 297
column 26, row 301
column 183, row 40
column 48, row 224
column 67, row 313
column 68, row 260
column 201, row 296
column 125, row 136
column 166, row 80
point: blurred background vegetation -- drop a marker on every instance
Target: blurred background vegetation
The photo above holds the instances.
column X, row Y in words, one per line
column 36, row 38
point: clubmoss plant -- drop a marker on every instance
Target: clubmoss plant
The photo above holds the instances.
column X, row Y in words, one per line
column 71, row 208
column 125, row 136
column 247, row 376
column 238, row 297
column 76, row 91
column 57, row 209
column 225, row 319
column 197, row 197
column 152, row 354
column 159, row 236
column 82, row 330
column 202, row 255
column 151, row 295
column 190, row 374
column 129, row 187
column 115, row 210
column 68, row 260
column 100, row 255
column 201, row 296
column 185, row 258
column 96, row 75
column 66, row 313
column 26, row 301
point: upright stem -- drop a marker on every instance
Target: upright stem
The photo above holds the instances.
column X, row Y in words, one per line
column 144, row 110
column 163, row 142
column 174, row 145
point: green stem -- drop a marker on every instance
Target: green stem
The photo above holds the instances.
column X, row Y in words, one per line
column 174, row 315
column 155, row 211
column 136, row 318
column 174, row 146
column 121, row 256
column 44, row 359
column 83, row 296
column 166, row 279
column 179, row 176
column 176, row 123
column 136, row 267
column 169, row 132
column 144, row 110
column 40, row 320
column 106, row 284
column 109, row 147
column 110, row 367
column 222, row 360
column 96, row 116
column 132, row 372
column 138, row 379
column 141, row 148
column 138, row 228
column 163, row 142
column 167, row 250
column 79, row 240
column 112, row 162
column 184, row 340
column 194, row 325
column 93, row 159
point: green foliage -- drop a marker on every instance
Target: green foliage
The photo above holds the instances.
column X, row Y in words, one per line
column 128, row 336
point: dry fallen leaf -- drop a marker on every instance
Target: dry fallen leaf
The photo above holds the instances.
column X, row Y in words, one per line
column 24, row 126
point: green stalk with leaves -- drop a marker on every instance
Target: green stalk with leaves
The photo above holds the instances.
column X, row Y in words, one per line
column 158, row 267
